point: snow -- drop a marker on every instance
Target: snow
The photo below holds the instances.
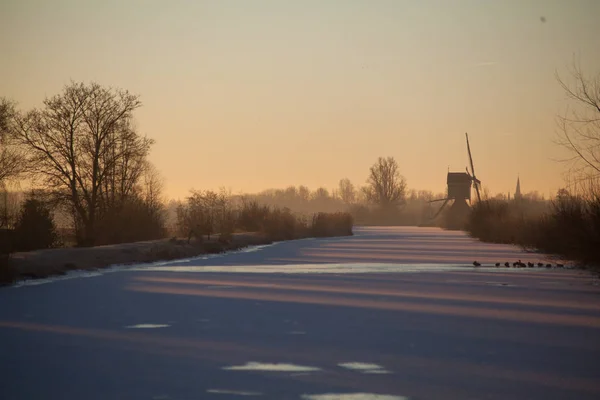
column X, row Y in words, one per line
column 352, row 396
column 370, row 250
column 257, row 366
column 233, row 392
column 365, row 367
column 147, row 326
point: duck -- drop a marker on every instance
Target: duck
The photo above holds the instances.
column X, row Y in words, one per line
column 507, row 264
column 497, row 265
column 559, row 265
column 530, row 264
column 540, row 264
column 476, row 264
column 548, row 265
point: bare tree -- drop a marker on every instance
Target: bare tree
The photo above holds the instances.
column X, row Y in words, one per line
column 152, row 189
column 425, row 195
column 82, row 148
column 11, row 161
column 10, row 205
column 303, row 193
column 320, row 194
column 386, row 187
column 290, row 193
column 579, row 127
column 205, row 213
column 11, row 165
column 126, row 165
column 347, row 191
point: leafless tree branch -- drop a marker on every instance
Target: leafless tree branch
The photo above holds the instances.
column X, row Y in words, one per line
column 579, row 127
column 82, row 143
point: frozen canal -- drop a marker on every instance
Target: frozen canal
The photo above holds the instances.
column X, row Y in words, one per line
column 391, row 313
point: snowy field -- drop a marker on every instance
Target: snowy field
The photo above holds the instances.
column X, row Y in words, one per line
column 390, row 313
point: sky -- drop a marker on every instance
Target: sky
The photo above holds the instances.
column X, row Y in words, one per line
column 249, row 95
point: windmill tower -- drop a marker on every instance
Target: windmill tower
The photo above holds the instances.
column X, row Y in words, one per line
column 459, row 192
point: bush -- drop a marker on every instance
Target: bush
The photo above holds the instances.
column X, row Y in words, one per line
column 570, row 228
column 489, row 221
column 225, row 238
column 7, row 238
column 213, row 247
column 132, row 221
column 163, row 252
column 35, row 227
column 276, row 224
column 252, row 216
column 281, row 224
column 332, row 224
column 205, row 213
column 7, row 273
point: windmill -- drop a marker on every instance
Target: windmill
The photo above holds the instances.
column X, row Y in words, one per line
column 476, row 182
column 459, row 191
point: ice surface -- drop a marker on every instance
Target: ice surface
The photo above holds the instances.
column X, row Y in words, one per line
column 257, row 366
column 233, row 392
column 370, row 250
column 352, row 396
column 365, row 368
column 147, row 326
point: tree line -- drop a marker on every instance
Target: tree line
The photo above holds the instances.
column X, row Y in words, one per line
column 86, row 161
column 84, row 157
column 89, row 165
column 568, row 225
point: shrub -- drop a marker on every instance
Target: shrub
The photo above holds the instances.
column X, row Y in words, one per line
column 281, row 224
column 489, row 221
column 70, row 266
column 7, row 238
column 331, row 224
column 276, row 224
column 7, row 272
column 213, row 247
column 35, row 227
column 225, row 238
column 252, row 216
column 570, row 228
column 131, row 221
column 162, row 251
column 205, row 213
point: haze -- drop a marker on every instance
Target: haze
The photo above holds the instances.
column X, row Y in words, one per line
column 254, row 95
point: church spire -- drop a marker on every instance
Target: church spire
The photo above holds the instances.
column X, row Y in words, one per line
column 518, row 189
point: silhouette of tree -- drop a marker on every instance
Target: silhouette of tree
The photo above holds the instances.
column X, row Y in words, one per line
column 35, row 227
column 11, row 161
column 84, row 150
column 386, row 187
column 579, row 127
column 320, row 194
column 347, row 192
column 303, row 193
column 152, row 188
column 205, row 213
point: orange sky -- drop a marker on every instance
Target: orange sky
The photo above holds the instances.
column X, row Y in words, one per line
column 249, row 95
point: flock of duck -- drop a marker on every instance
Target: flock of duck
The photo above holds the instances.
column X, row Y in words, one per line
column 519, row 264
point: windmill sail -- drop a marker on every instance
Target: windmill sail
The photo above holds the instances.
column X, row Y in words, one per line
column 476, row 181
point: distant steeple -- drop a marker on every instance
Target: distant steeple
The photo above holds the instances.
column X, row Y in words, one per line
column 518, row 190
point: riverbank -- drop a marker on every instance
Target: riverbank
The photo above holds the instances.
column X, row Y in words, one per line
column 55, row 262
